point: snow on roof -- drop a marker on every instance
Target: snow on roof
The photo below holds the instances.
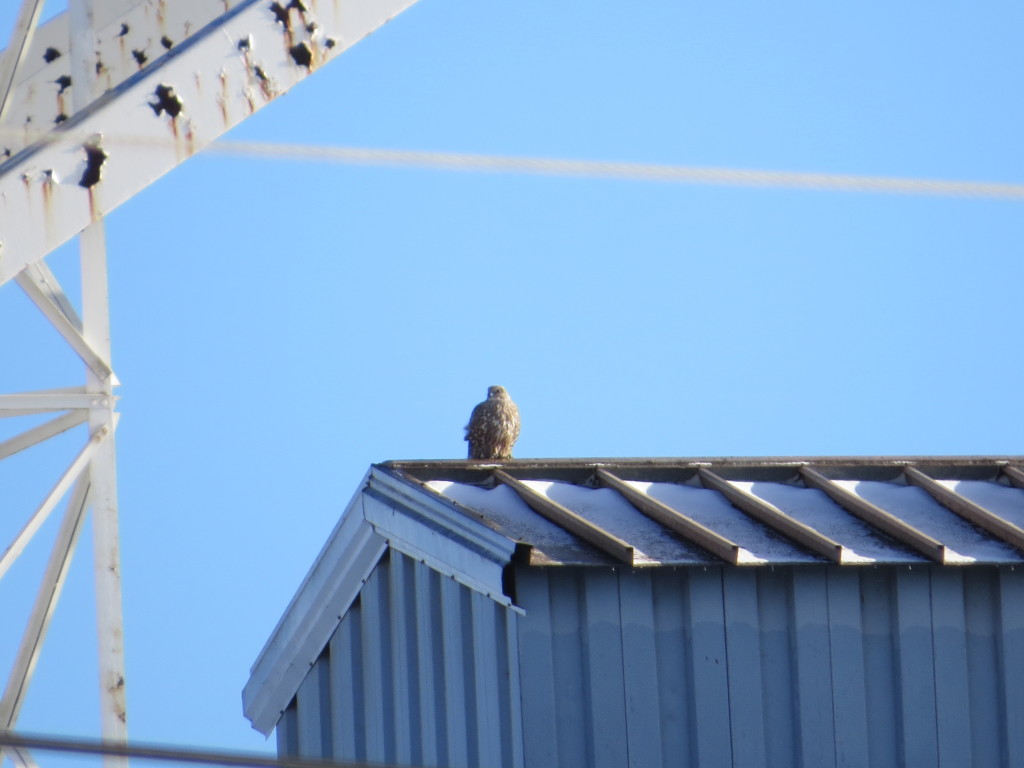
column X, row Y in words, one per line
column 916, row 507
column 677, row 512
column 710, row 508
column 502, row 506
column 812, row 507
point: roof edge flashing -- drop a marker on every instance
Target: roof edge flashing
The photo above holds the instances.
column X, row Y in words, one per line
column 438, row 513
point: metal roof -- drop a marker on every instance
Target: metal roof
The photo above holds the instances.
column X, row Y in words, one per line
column 756, row 511
column 468, row 520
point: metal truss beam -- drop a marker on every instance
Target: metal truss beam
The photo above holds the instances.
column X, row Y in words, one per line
column 176, row 102
column 46, row 283
column 24, row 28
column 36, row 290
column 43, row 432
column 42, row 610
column 41, row 402
column 71, row 474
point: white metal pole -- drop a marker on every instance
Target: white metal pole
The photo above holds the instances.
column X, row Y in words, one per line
column 103, row 468
column 103, row 478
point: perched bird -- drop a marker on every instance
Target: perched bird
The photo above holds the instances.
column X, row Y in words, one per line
column 493, row 426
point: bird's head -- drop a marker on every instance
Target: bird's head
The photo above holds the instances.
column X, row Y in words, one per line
column 496, row 392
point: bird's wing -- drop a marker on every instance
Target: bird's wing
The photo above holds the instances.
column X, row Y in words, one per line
column 474, row 420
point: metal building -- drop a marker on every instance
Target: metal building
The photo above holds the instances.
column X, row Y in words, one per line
column 720, row 612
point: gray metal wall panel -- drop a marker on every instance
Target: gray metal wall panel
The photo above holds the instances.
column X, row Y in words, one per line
column 1011, row 641
column 537, row 689
column 510, row 707
column 778, row 672
column 916, row 665
column 743, row 649
column 404, row 682
column 817, row 665
column 419, row 672
column 376, row 654
column 348, row 726
column 983, row 669
column 952, row 686
column 846, row 646
column 811, row 665
column 429, row 664
column 813, row 661
column 706, row 635
column 672, row 670
column 640, row 674
column 313, row 705
column 287, row 732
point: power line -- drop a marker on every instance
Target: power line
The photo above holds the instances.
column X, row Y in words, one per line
column 561, row 167
column 600, row 169
column 21, row 741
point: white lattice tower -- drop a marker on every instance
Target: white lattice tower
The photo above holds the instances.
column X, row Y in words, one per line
column 96, row 104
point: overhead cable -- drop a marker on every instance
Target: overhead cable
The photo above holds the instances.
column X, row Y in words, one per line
column 45, row 743
column 592, row 169
column 600, row 169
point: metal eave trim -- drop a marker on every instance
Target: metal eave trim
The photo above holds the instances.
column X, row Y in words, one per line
column 436, row 532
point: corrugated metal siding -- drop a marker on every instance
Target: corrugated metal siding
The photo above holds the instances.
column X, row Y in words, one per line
column 421, row 671
column 810, row 666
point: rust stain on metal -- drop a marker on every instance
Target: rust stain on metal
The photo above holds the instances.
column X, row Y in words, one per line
column 256, row 72
column 190, row 139
column 115, row 691
column 223, row 99
column 264, row 82
column 64, row 82
column 47, row 190
column 282, row 15
column 102, row 71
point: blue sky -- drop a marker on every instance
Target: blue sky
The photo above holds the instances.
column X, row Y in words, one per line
column 279, row 326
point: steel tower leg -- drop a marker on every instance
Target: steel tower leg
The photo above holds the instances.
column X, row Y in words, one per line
column 103, row 493
column 102, row 468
